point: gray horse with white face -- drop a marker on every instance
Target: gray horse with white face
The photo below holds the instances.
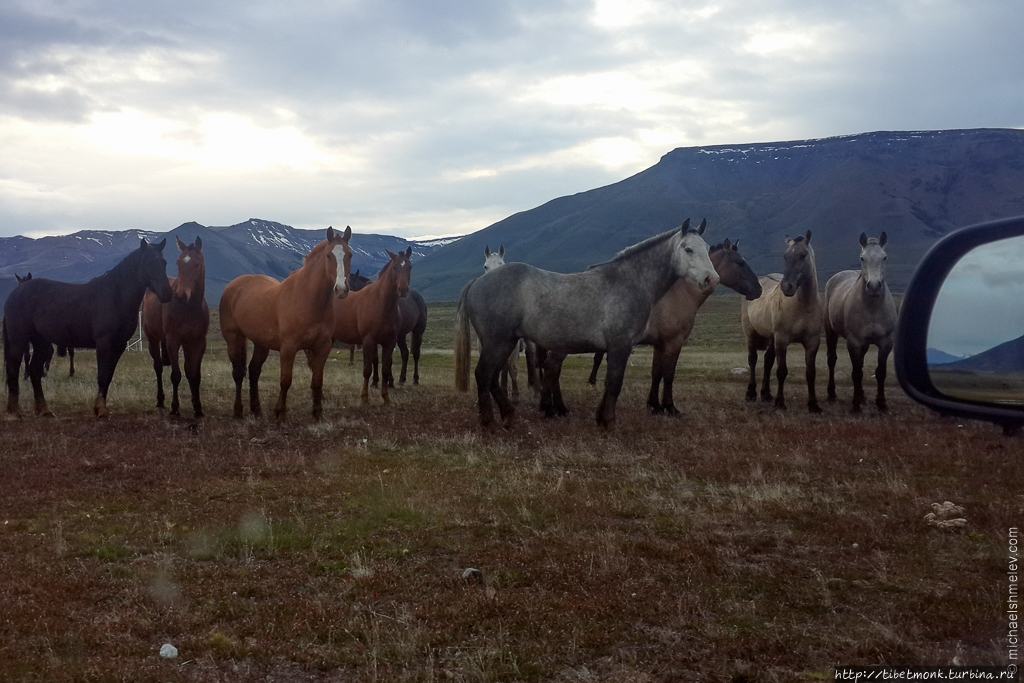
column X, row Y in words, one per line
column 606, row 308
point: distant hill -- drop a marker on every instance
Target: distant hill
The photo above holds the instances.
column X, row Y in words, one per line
column 937, row 357
column 915, row 186
column 255, row 246
column 1007, row 357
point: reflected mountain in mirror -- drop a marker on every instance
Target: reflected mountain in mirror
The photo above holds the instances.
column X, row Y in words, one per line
column 976, row 334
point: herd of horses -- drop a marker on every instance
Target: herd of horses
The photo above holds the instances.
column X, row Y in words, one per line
column 648, row 294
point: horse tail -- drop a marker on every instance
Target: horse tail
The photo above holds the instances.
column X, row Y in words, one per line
column 463, row 349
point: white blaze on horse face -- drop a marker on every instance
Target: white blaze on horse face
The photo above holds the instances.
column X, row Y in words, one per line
column 340, row 283
column 872, row 267
column 693, row 264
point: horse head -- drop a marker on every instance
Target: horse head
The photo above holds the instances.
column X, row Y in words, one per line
column 357, row 281
column 493, row 259
column 339, row 252
column 799, row 260
column 153, row 269
column 872, row 264
column 733, row 271
column 191, row 269
column 22, row 279
column 399, row 271
column 691, row 260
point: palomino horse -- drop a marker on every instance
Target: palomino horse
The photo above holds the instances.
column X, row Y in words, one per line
column 674, row 315
column 290, row 316
column 180, row 323
column 788, row 312
column 371, row 316
column 859, row 308
column 100, row 314
column 605, row 308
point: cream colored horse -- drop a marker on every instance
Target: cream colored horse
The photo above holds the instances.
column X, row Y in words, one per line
column 860, row 309
column 788, row 312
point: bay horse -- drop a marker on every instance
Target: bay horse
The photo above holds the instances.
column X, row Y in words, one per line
column 371, row 317
column 100, row 314
column 859, row 308
column 357, row 282
column 788, row 312
column 290, row 316
column 414, row 321
column 181, row 323
column 607, row 307
column 673, row 318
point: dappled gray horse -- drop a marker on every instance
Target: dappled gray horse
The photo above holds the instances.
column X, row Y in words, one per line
column 859, row 308
column 606, row 308
column 788, row 312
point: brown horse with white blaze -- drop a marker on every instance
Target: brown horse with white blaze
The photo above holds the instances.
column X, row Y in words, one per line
column 788, row 312
column 290, row 316
column 372, row 317
column 181, row 323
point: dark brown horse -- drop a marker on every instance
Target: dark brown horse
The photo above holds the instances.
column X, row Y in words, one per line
column 28, row 352
column 371, row 317
column 356, row 282
column 181, row 323
column 100, row 314
column 290, row 316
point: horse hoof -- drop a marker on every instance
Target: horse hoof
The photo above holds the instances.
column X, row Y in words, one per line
column 780, row 406
column 813, row 408
column 855, row 410
column 831, row 398
column 766, row 398
column 671, row 411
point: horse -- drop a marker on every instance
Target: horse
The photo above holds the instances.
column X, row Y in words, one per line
column 859, row 308
column 372, row 316
column 357, row 282
column 510, row 372
column 788, row 312
column 673, row 318
column 607, row 307
column 290, row 316
column 180, row 323
column 100, row 314
column 28, row 353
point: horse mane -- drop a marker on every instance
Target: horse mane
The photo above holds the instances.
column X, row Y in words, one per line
column 642, row 246
column 315, row 252
column 717, row 247
column 384, row 270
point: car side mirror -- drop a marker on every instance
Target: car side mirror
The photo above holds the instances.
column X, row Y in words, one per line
column 960, row 336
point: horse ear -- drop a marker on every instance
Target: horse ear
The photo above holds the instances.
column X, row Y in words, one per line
column 348, row 234
column 163, row 243
column 198, row 243
column 736, row 245
column 501, row 251
column 487, row 250
column 330, row 234
column 181, row 245
column 390, row 255
column 703, row 224
column 789, row 240
column 863, row 240
column 808, row 237
column 727, row 245
column 356, row 274
column 408, row 252
column 685, row 226
column 882, row 239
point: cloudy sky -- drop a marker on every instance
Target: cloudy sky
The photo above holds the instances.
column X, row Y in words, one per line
column 419, row 117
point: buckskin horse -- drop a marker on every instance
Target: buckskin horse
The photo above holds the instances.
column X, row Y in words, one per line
column 290, row 316
column 181, row 323
column 100, row 314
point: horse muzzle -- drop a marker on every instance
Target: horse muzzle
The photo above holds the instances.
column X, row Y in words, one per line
column 873, row 289
column 403, row 291
column 341, row 292
column 788, row 288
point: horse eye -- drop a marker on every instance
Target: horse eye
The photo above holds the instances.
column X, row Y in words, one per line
column 689, row 251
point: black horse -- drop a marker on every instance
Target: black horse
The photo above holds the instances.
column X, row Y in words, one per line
column 101, row 314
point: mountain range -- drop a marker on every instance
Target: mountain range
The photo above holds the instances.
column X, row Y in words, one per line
column 915, row 186
column 255, row 246
column 1005, row 357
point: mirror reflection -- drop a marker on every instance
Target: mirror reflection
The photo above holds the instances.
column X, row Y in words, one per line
column 976, row 334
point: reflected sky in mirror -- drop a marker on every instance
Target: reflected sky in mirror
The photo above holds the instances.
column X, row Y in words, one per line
column 981, row 304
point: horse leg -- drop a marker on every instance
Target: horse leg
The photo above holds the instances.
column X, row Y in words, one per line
column 193, row 352
column 387, row 378
column 884, row 347
column 810, row 359
column 236, row 354
column 614, row 374
column 259, row 357
column 554, row 405
column 505, row 407
column 35, row 374
column 656, row 374
column 71, row 359
column 172, row 347
column 107, row 356
column 598, row 357
column 668, row 376
column 13, row 357
column 769, row 362
column 417, row 342
column 752, row 365
column 158, row 368
column 831, row 342
column 369, row 367
column 857, row 353
column 487, row 369
column 351, row 354
column 532, row 374
column 781, row 373
column 512, row 371
column 317, row 360
column 287, row 365
column 403, row 348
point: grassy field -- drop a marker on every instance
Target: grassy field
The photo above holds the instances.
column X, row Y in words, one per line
column 735, row 543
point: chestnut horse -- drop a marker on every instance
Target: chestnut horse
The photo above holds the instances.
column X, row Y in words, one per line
column 371, row 316
column 181, row 323
column 859, row 307
column 101, row 314
column 788, row 312
column 674, row 315
column 290, row 316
